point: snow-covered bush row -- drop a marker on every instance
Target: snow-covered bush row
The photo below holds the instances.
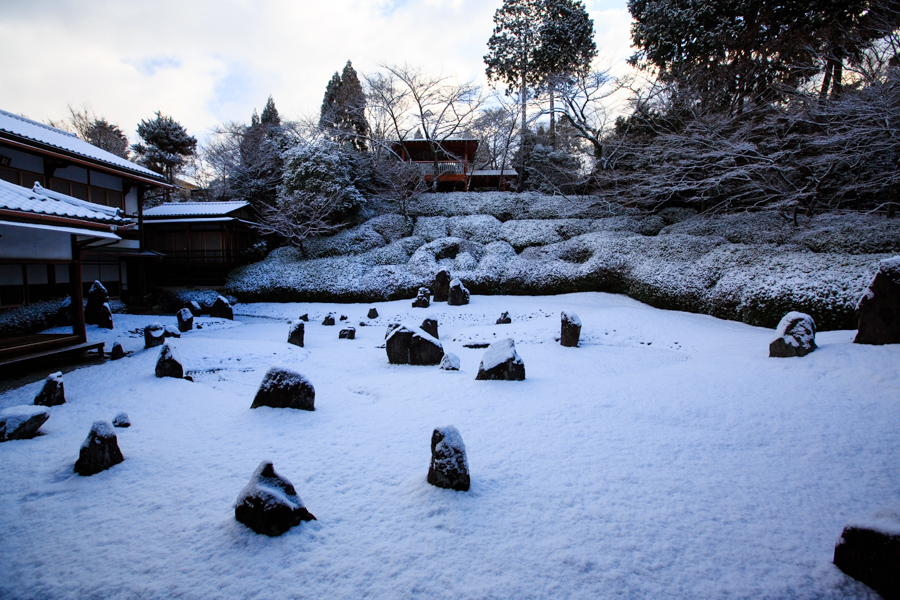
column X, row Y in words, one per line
column 374, row 233
column 756, row 284
column 23, row 320
column 505, row 206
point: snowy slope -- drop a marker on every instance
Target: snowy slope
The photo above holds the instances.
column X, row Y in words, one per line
column 666, row 457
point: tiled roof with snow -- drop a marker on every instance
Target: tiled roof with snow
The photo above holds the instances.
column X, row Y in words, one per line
column 195, row 209
column 68, row 142
column 41, row 201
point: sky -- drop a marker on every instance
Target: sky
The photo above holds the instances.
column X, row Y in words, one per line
column 205, row 62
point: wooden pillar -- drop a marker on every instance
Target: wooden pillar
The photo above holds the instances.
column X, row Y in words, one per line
column 76, row 294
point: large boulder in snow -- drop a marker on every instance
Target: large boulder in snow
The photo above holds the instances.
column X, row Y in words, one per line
column 413, row 346
column 21, row 422
column 168, row 364
column 99, row 451
column 284, row 388
column 194, row 307
column 570, row 329
column 501, row 361
column 53, row 393
column 347, row 333
column 185, row 319
column 869, row 551
column 105, row 321
column 97, row 296
column 269, row 504
column 794, row 336
column 879, row 307
column 459, row 295
column 442, row 285
column 295, row 334
column 449, row 467
column 154, row 335
column 221, row 309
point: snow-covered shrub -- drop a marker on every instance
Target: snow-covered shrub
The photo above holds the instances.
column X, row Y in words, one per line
column 850, row 233
column 483, row 229
column 35, row 317
column 740, row 228
column 392, row 227
column 532, row 232
column 350, row 241
column 432, row 228
column 428, row 259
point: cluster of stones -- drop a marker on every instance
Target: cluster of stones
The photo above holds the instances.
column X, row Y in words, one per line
column 97, row 310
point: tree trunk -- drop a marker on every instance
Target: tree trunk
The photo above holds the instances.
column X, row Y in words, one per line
column 552, row 116
column 521, row 185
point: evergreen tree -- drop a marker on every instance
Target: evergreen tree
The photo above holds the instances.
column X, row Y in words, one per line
column 343, row 113
column 260, row 169
column 166, row 145
column 108, row 137
column 270, row 114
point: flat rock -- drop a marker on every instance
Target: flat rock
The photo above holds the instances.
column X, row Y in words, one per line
column 449, row 467
column 53, row 392
column 168, row 364
column 283, row 388
column 879, row 307
column 794, row 336
column 501, row 361
column 99, row 451
column 269, row 504
column 21, row 422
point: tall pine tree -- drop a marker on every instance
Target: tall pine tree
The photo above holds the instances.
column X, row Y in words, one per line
column 343, row 113
column 166, row 145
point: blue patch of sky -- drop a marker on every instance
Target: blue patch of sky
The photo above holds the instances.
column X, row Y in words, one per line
column 235, row 92
column 153, row 64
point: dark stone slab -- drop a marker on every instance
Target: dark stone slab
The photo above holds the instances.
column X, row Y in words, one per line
column 373, row 313
column 221, row 309
column 348, row 333
column 168, row 365
column 21, row 422
column 879, row 308
column 871, row 554
column 117, row 351
column 53, row 392
column 430, row 326
column 97, row 296
column 295, row 335
column 570, row 329
column 459, row 295
column 442, row 285
column 283, row 388
column 154, row 335
column 413, row 346
column 501, row 361
column 185, row 319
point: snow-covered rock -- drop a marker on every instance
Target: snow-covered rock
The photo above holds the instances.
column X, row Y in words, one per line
column 185, row 319
column 97, row 296
column 329, row 319
column 295, row 333
column 869, row 550
column 504, row 319
column 117, row 351
column 372, row 314
column 459, row 294
column 501, row 361
column 348, row 333
column 285, row 388
column 121, row 420
column 794, row 336
column 154, row 335
column 53, row 393
column 430, row 325
column 168, row 364
column 21, row 422
column 422, row 299
column 449, row 467
column 408, row 345
column 450, row 362
column 269, row 504
column 442, row 285
column 879, row 307
column 222, row 309
column 99, row 451
column 570, row 329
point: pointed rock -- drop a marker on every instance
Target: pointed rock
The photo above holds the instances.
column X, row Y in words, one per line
column 221, row 309
column 450, row 362
column 431, row 326
column 442, row 285
column 53, row 393
column 879, row 308
column 117, row 351
column 269, row 504
column 97, row 296
column 329, row 319
column 194, row 307
column 168, row 364
column 105, row 321
column 295, row 335
column 99, row 451
column 449, row 467
column 459, row 295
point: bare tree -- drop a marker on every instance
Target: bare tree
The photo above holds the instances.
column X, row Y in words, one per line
column 300, row 215
column 95, row 130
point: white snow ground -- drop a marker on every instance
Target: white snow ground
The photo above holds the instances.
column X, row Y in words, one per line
column 666, row 457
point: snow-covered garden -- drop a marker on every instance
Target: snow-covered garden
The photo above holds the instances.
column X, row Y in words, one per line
column 667, row 456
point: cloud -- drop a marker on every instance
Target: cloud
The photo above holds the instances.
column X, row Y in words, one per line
column 208, row 61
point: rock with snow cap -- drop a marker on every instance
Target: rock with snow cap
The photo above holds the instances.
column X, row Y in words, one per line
column 431, row 326
column 570, row 329
column 459, row 295
column 408, row 345
column 283, row 388
column 304, row 317
column 295, row 334
column 329, row 319
column 154, row 335
column 348, row 333
column 442, row 285
column 105, row 320
column 504, row 319
column 450, row 362
column 168, row 364
column 794, row 336
column 21, row 422
column 879, row 307
column 391, row 327
column 501, row 361
column 99, row 451
column 269, row 504
column 221, row 309
column 449, row 467
column 373, row 313
column 53, row 392
column 185, row 319
column 423, row 298
column 869, row 551
column 97, row 296
column 117, row 351
column 194, row 307
column 171, row 331
column 121, row 420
